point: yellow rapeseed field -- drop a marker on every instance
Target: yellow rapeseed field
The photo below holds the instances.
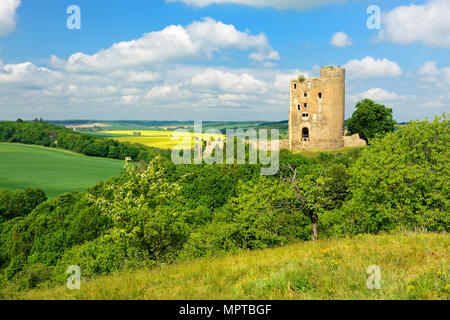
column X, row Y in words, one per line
column 161, row 139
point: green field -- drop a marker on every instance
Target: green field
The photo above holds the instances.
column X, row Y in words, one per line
column 348, row 151
column 52, row 170
column 412, row 266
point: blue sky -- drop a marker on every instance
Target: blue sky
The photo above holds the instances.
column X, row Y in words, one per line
column 217, row 59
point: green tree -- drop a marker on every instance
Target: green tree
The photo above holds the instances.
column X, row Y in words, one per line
column 42, row 236
column 258, row 216
column 144, row 210
column 370, row 120
column 401, row 180
column 316, row 189
column 336, row 188
column 19, row 203
column 309, row 195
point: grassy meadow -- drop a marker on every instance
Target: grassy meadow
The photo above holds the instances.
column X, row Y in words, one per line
column 342, row 151
column 52, row 170
column 413, row 266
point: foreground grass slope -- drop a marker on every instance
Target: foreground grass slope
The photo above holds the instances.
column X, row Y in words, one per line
column 413, row 266
column 52, row 170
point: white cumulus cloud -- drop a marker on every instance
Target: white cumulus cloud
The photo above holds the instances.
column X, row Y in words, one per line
column 382, row 95
column 8, row 16
column 429, row 72
column 26, row 74
column 200, row 39
column 215, row 79
column 341, row 40
column 429, row 69
column 433, row 104
column 136, row 76
column 282, row 81
column 428, row 23
column 370, row 68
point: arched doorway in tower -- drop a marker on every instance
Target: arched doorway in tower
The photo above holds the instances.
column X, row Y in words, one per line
column 305, row 134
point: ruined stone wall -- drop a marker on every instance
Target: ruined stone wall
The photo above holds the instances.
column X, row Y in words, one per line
column 354, row 141
column 316, row 114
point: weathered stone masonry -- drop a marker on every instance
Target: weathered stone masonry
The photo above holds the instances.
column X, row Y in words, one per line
column 317, row 111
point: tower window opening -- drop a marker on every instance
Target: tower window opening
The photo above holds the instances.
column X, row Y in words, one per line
column 305, row 94
column 305, row 133
column 309, row 83
column 298, row 107
column 305, row 115
column 320, row 95
column 295, row 86
column 305, row 105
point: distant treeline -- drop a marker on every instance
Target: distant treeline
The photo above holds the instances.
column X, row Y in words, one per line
column 280, row 125
column 54, row 136
column 142, row 123
column 220, row 125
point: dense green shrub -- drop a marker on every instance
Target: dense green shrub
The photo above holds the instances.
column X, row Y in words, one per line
column 209, row 186
column 97, row 257
column 32, row 276
column 46, row 233
column 146, row 211
column 401, row 181
column 336, row 188
column 19, row 203
column 17, row 264
column 254, row 218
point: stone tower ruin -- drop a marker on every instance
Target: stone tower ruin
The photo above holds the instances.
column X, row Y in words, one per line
column 317, row 111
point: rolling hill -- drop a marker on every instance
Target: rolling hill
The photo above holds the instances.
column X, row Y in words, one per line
column 412, row 266
column 52, row 170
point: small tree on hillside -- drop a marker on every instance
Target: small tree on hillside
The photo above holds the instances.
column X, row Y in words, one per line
column 309, row 196
column 323, row 190
column 371, row 120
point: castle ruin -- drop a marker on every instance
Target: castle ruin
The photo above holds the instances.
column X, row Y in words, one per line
column 317, row 111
